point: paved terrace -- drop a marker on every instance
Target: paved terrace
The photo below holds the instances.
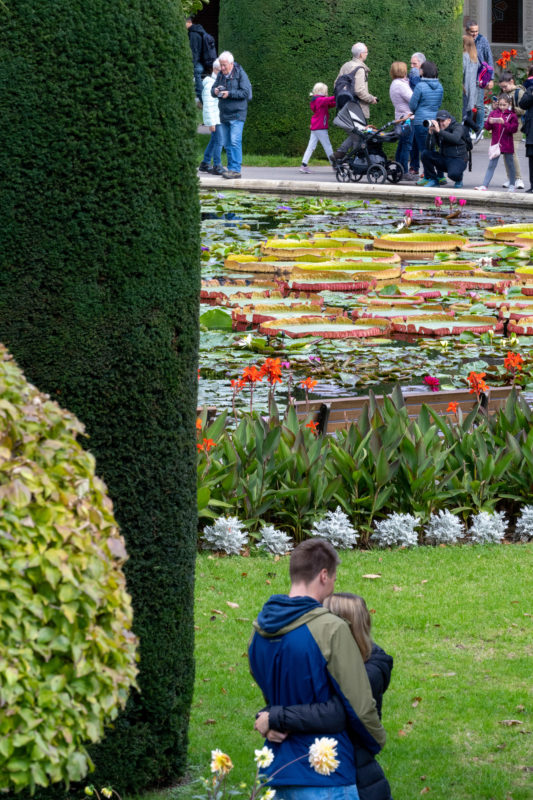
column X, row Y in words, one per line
column 322, row 181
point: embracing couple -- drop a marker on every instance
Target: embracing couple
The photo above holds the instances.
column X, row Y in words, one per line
column 320, row 673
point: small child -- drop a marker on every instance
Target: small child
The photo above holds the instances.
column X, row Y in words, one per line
column 509, row 87
column 320, row 105
column 503, row 122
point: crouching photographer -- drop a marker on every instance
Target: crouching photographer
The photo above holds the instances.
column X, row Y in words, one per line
column 447, row 150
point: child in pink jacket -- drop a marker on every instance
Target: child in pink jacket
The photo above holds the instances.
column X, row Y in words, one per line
column 503, row 122
column 320, row 105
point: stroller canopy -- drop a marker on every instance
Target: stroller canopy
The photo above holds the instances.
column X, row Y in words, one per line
column 350, row 117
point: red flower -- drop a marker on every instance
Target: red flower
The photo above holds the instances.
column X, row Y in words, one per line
column 514, row 53
column 251, row 375
column 513, row 361
column 272, row 369
column 206, row 445
column 313, row 425
column 452, row 407
column 476, row 382
column 198, row 424
column 501, row 62
column 433, row 383
column 506, row 55
column 308, row 384
column 237, row 385
column 530, row 55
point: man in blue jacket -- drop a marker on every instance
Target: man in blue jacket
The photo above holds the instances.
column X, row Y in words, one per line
column 484, row 53
column 301, row 653
column 234, row 91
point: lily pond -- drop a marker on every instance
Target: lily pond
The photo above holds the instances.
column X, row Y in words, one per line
column 358, row 295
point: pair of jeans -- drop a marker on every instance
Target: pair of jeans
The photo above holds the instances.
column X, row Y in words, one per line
column 317, row 792
column 436, row 165
column 214, row 148
column 232, row 141
column 509, row 164
column 420, row 136
column 403, row 149
column 198, row 85
column 480, row 113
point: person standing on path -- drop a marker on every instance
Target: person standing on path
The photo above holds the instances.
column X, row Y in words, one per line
column 470, row 67
column 417, row 59
column 211, row 119
column 424, row 103
column 515, row 93
column 526, row 102
column 320, row 105
column 201, row 63
column 502, row 122
column 400, row 94
column 233, row 89
column 301, row 653
column 484, row 54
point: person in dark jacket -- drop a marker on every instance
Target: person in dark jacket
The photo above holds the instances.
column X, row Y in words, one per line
column 446, row 134
column 526, row 102
column 196, row 38
column 234, row 91
column 330, row 717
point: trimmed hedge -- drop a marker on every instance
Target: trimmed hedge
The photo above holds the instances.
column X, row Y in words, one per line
column 99, row 287
column 287, row 47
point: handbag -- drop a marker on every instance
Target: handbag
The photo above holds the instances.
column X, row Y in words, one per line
column 495, row 149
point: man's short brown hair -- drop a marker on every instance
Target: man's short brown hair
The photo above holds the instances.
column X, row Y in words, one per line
column 310, row 557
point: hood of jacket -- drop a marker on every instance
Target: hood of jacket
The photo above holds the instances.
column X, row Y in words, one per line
column 433, row 83
column 194, row 28
column 281, row 613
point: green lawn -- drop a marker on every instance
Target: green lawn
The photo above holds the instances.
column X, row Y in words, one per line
column 458, row 622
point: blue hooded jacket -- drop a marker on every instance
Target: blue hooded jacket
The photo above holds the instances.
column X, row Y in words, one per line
column 426, row 99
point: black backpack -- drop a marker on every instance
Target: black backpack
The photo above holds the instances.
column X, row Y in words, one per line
column 209, row 50
column 467, row 139
column 343, row 89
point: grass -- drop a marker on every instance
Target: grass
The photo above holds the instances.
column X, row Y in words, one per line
column 251, row 160
column 458, row 621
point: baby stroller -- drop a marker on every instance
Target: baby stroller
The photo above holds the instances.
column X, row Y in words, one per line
column 368, row 157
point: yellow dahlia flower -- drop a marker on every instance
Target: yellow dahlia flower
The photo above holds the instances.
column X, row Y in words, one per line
column 322, row 756
column 220, row 762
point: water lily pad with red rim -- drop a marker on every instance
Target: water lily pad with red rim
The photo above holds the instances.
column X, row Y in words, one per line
column 491, row 281
column 330, row 283
column 420, row 242
column 522, row 326
column 398, row 312
column 216, row 292
column 441, row 325
column 258, row 314
column 339, row 328
column 507, row 232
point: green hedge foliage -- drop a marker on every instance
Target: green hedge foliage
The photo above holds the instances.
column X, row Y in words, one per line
column 99, row 286
column 287, row 47
column 67, row 656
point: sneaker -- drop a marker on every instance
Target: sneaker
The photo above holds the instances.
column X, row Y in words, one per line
column 505, row 185
column 422, row 182
column 511, row 188
column 413, row 172
column 218, row 170
column 410, row 176
column 480, row 188
column 431, row 183
column 479, row 136
column 458, row 185
column 519, row 183
column 230, row 173
column 305, row 168
column 442, row 181
column 203, row 167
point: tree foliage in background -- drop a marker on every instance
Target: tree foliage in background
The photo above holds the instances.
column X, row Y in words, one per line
column 67, row 656
column 99, row 284
column 287, row 47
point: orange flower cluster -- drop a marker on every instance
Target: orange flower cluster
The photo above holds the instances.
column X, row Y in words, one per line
column 198, row 424
column 313, row 425
column 308, row 384
column 531, row 55
column 251, row 375
column 272, row 370
column 476, row 382
column 206, row 445
column 452, row 407
column 513, row 361
column 506, row 56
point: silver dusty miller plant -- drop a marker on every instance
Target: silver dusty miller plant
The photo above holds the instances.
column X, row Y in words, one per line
column 488, row 528
column 276, row 542
column 226, row 534
column 524, row 524
column 443, row 528
column 397, row 529
column 336, row 528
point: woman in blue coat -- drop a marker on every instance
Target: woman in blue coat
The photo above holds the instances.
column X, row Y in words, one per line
column 424, row 103
column 330, row 717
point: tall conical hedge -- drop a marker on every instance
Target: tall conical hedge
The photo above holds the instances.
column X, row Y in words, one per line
column 99, row 286
column 287, row 47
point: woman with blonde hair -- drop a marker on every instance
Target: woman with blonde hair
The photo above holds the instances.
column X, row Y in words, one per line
column 400, row 93
column 470, row 67
column 330, row 717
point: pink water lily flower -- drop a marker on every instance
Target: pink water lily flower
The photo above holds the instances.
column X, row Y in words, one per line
column 408, row 212
column 433, row 383
column 462, row 202
column 453, row 199
column 438, row 201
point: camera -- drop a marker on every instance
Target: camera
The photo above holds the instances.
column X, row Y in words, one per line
column 427, row 123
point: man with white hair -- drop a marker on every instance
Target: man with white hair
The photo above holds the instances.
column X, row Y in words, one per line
column 233, row 89
column 360, row 91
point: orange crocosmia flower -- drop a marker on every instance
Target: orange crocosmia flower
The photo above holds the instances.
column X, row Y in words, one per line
column 272, row 369
column 313, row 425
column 513, row 361
column 514, row 53
column 251, row 374
column 453, row 406
column 477, row 384
column 198, row 424
column 206, row 445
column 308, row 384
column 506, row 55
column 237, row 385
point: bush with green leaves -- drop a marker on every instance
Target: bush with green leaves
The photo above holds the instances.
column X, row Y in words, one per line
column 67, row 654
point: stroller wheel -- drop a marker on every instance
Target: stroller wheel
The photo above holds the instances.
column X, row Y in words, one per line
column 342, row 172
column 394, row 171
column 355, row 176
column 376, row 174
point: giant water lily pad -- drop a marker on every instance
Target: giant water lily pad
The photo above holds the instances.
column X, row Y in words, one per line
column 401, row 312
column 522, row 326
column 216, row 292
column 292, row 248
column 420, row 242
column 507, row 232
column 443, row 266
column 490, row 281
column 258, row 314
column 332, row 282
column 339, row 328
column 442, row 325
column 363, row 271
column 268, row 264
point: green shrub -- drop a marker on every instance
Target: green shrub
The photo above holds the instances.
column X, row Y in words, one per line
column 99, row 287
column 287, row 47
column 67, row 656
